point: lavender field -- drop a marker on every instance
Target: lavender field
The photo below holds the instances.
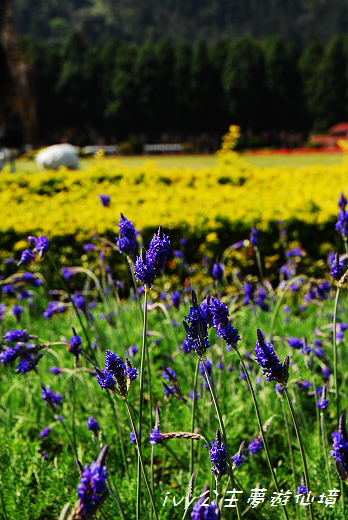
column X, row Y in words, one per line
column 179, row 390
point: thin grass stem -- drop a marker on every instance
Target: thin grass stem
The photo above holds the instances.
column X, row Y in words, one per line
column 61, row 279
column 222, row 429
column 335, row 354
column 141, row 399
column 323, row 433
column 113, row 489
column 303, row 456
column 119, row 432
column 74, row 403
column 193, row 415
column 261, row 430
column 259, row 264
column 140, row 457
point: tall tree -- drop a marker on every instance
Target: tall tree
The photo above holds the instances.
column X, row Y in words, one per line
column 329, row 98
column 46, row 67
column 121, row 110
column 283, row 106
column 244, row 83
column 71, row 84
column 308, row 65
column 164, row 87
column 183, row 97
column 145, row 76
column 202, row 81
column 218, row 55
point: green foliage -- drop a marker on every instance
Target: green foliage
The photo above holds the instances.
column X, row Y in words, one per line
column 161, row 91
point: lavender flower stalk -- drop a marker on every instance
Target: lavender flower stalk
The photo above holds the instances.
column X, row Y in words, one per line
column 262, row 433
column 91, row 488
column 323, row 404
column 266, row 357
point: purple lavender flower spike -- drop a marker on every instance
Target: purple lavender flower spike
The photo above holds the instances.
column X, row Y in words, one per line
column 105, row 200
column 249, row 294
column 323, row 403
column 10, row 354
column 255, row 446
column 92, row 425
column 266, row 357
column 197, row 332
column 342, row 201
column 295, row 343
column 337, row 268
column 303, row 385
column 254, row 241
column 16, row 335
column 17, row 311
column 92, row 484
column 205, row 512
column 155, row 436
column 89, row 247
column 238, row 458
column 340, row 449
column 52, row 399
column 260, row 298
column 218, row 271
column 55, row 371
column 302, row 489
column 45, row 432
column 27, row 257
column 158, row 250
column 132, row 350
column 342, row 223
column 218, row 456
column 221, row 323
column 41, row 245
column 105, row 379
column 27, row 363
column 75, row 345
column 79, row 301
column 144, row 269
column 132, row 438
column 127, row 241
column 175, row 297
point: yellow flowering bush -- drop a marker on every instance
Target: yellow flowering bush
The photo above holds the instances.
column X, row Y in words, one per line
column 60, row 203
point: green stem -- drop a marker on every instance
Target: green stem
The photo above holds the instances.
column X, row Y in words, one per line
column 342, row 497
column 115, row 495
column 259, row 264
column 323, row 433
column 289, row 441
column 74, row 403
column 222, row 429
column 141, row 399
column 69, row 437
column 140, row 457
column 193, row 415
column 261, row 430
column 345, row 241
column 303, row 456
column 335, row 354
column 113, row 404
column 280, row 300
column 317, row 413
column 131, row 267
column 61, row 279
column 2, row 503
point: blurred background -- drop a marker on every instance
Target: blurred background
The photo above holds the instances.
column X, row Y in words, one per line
column 131, row 72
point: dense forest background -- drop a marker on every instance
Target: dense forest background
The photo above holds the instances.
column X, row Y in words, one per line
column 137, row 21
column 183, row 71
column 181, row 92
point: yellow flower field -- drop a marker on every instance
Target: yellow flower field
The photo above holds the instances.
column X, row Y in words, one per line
column 59, row 203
